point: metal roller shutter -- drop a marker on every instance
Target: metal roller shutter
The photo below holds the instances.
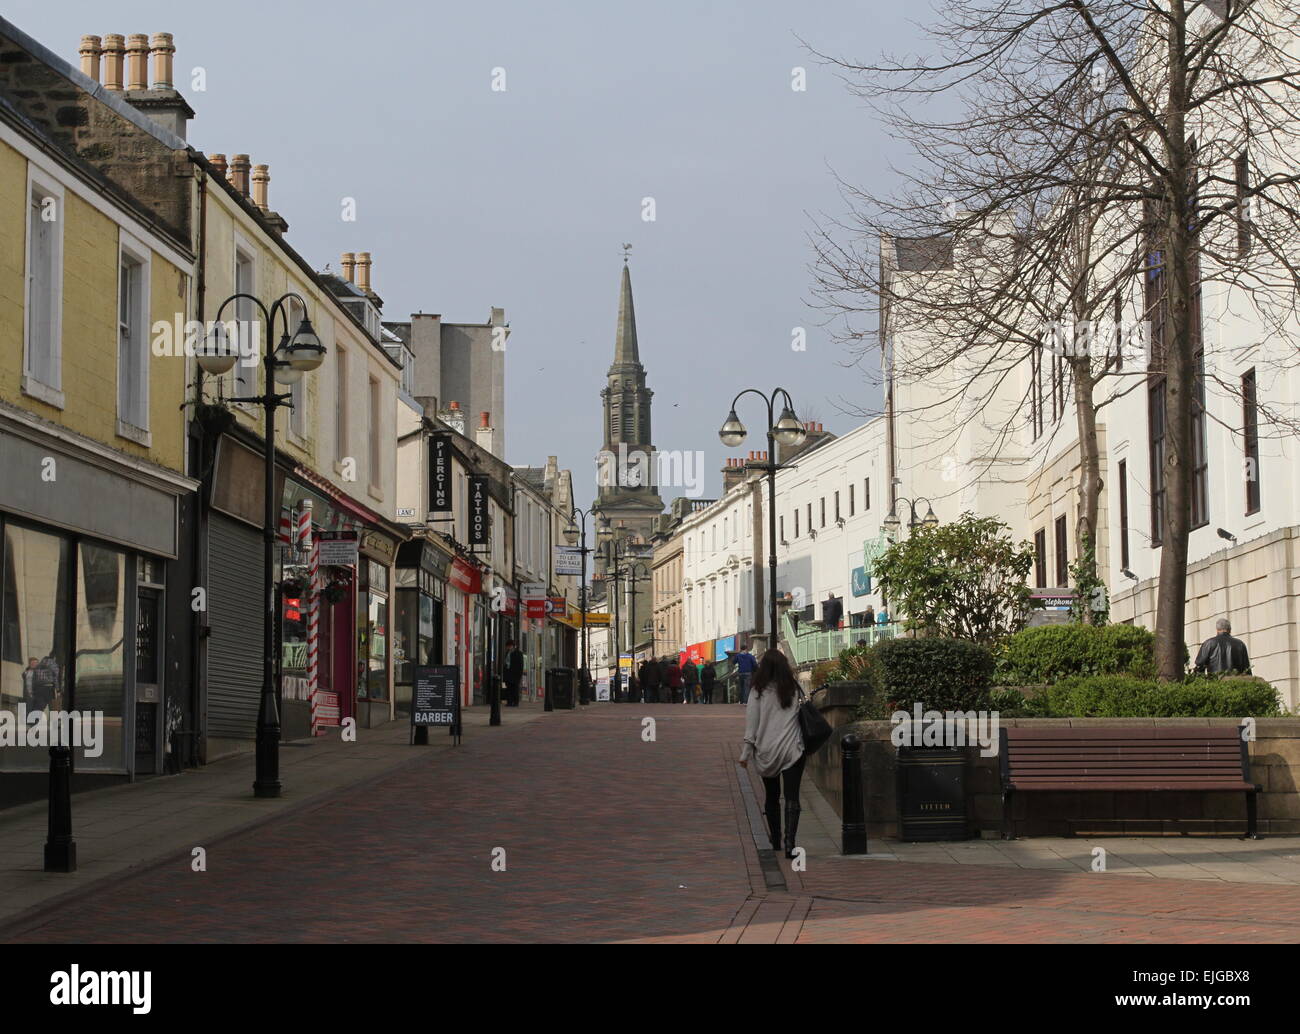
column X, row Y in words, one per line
column 235, row 619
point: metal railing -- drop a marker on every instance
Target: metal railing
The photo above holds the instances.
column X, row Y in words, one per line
column 809, row 647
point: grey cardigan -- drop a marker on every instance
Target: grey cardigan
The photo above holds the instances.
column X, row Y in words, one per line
column 772, row 735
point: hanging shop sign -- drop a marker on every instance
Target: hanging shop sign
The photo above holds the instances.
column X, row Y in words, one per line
column 871, row 550
column 568, row 561
column 479, row 518
column 338, row 548
column 556, row 606
column 440, row 473
column 861, row 581
column 597, row 618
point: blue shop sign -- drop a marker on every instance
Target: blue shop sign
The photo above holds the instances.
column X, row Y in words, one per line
column 861, row 581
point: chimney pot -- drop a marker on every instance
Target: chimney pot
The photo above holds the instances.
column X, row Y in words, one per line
column 219, row 163
column 484, row 419
column 114, row 51
column 454, row 405
column 137, row 61
column 363, row 270
column 163, row 49
column 91, row 49
column 349, row 261
column 261, row 179
column 239, row 170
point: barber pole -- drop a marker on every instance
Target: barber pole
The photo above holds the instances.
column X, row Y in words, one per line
column 307, row 542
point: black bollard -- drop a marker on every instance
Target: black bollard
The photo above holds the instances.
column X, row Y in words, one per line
column 854, row 829
column 60, row 848
column 494, row 691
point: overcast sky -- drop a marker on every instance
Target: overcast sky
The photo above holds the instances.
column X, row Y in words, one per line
column 469, row 197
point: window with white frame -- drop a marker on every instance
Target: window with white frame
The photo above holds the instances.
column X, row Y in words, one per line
column 42, row 346
column 341, row 408
column 298, row 389
column 247, row 336
column 373, row 431
column 132, row 338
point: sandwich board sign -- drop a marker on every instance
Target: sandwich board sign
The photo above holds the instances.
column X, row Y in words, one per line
column 435, row 700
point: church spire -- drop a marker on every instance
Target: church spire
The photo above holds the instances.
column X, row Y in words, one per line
column 625, row 347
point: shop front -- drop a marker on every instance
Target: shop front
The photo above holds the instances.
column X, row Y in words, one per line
column 419, row 622
column 89, row 564
column 464, row 623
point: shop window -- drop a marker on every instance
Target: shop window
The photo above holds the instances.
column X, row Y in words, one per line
column 34, row 654
column 100, row 676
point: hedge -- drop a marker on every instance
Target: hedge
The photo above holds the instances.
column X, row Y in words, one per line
column 941, row 674
column 1049, row 653
column 1121, row 696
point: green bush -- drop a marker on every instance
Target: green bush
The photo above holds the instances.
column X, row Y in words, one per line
column 1010, row 703
column 941, row 674
column 1047, row 654
column 1122, row 696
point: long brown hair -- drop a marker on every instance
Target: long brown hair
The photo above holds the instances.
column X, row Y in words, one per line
column 774, row 670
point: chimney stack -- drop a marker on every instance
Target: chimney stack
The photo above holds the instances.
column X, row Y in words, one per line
column 91, row 49
column 733, row 474
column 137, row 61
column 261, row 180
column 114, row 50
column 239, row 170
column 349, row 262
column 363, row 271
column 163, row 50
column 219, row 163
column 483, row 434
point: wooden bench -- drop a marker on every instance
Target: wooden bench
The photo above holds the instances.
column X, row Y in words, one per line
column 1213, row 759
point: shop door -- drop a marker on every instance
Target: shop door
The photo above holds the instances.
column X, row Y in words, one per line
column 148, row 678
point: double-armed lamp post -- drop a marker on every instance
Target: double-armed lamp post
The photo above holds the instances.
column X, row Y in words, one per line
column 576, row 534
column 892, row 524
column 286, row 363
column 788, row 431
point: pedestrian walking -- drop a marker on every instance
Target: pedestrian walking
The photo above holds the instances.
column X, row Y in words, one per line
column 774, row 742
column 633, row 687
column 673, row 677
column 745, row 666
column 708, row 678
column 1223, row 654
column 512, row 673
column 650, row 680
column 690, row 681
column 869, row 617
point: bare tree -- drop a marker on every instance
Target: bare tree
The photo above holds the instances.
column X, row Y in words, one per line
column 1119, row 152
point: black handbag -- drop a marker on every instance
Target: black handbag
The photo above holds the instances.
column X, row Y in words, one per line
column 815, row 728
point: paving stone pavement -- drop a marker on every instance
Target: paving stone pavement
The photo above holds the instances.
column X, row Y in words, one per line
column 608, row 837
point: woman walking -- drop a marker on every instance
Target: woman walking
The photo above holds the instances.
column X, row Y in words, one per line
column 673, row 680
column 774, row 741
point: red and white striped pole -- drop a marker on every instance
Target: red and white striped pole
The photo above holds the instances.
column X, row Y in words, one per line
column 307, row 542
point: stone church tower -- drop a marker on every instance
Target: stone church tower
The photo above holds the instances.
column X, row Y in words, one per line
column 626, row 468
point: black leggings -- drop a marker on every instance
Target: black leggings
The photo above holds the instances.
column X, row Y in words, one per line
column 791, row 777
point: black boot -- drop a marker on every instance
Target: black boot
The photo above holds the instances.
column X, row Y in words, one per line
column 792, row 810
column 774, row 825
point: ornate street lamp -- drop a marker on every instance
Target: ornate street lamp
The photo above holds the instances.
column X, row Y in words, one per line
column 789, row 432
column 286, row 363
column 574, row 533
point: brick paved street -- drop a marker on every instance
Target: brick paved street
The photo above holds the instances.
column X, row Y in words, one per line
column 609, row 838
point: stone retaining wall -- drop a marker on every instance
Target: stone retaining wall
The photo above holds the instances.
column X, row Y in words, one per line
column 1274, row 765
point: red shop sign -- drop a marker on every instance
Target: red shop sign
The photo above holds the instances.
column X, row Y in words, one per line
column 536, row 608
column 465, row 577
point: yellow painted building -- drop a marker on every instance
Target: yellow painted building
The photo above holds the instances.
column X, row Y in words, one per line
column 92, row 427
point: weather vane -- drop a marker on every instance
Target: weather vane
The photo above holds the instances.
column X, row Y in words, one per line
column 626, row 248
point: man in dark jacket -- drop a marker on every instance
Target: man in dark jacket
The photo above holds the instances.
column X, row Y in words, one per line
column 1223, row 653
column 650, row 681
column 513, row 673
column 707, row 679
column 673, row 680
column 690, row 680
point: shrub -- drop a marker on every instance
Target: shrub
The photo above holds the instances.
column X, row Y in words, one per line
column 1053, row 652
column 1122, row 696
column 1009, row 703
column 824, row 672
column 941, row 674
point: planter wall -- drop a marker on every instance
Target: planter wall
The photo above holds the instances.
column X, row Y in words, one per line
column 1275, row 765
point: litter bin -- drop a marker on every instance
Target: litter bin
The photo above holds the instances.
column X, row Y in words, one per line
column 559, row 687
column 931, row 794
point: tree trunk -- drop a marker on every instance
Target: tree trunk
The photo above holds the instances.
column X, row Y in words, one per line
column 1089, row 470
column 1171, row 601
